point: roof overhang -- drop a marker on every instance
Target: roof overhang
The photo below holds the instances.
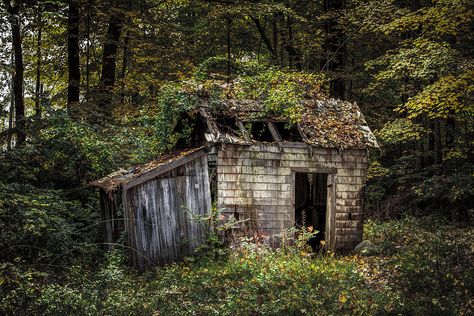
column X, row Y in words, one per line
column 126, row 179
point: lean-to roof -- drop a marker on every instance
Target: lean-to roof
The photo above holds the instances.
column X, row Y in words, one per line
column 144, row 172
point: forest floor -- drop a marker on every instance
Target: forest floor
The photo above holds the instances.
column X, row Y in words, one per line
column 416, row 267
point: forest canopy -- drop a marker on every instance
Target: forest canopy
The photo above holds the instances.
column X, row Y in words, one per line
column 91, row 86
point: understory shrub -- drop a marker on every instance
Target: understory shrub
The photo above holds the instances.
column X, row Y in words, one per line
column 430, row 262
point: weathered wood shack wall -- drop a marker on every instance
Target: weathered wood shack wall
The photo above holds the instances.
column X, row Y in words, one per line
column 256, row 182
column 161, row 227
column 111, row 219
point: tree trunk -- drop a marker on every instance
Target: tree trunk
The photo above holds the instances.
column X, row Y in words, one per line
column 229, row 22
column 13, row 11
column 335, row 47
column 38, row 68
column 438, row 149
column 12, row 110
column 109, row 62
column 88, row 49
column 275, row 37
column 73, row 58
column 124, row 66
column 293, row 55
column 265, row 39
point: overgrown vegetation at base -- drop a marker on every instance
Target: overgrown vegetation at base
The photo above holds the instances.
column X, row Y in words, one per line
column 422, row 266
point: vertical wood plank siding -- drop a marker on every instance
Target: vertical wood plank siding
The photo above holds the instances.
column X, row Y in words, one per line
column 112, row 221
column 256, row 182
column 161, row 227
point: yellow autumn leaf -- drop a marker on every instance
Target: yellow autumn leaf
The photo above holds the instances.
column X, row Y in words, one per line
column 342, row 298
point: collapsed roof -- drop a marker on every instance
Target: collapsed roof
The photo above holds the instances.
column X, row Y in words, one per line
column 329, row 123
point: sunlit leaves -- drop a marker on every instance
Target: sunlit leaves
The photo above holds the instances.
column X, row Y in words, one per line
column 420, row 59
column 450, row 95
column 399, row 131
column 444, row 17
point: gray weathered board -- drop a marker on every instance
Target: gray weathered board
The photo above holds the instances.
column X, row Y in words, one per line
column 161, row 227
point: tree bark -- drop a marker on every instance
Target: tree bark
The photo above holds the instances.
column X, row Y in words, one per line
column 38, row 68
column 12, row 109
column 88, row 48
column 109, row 63
column 265, row 39
column 335, row 48
column 438, row 149
column 124, row 66
column 229, row 22
column 275, row 37
column 13, row 11
column 73, row 58
column 293, row 54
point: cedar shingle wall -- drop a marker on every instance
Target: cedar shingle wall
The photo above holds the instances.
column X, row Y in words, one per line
column 256, row 182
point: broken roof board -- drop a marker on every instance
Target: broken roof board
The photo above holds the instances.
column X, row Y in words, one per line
column 144, row 172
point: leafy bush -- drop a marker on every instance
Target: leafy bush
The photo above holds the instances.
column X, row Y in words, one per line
column 61, row 153
column 39, row 225
column 429, row 262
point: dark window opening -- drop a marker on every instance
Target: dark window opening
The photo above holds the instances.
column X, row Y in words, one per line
column 311, row 204
column 260, row 131
column 228, row 125
column 190, row 130
column 288, row 132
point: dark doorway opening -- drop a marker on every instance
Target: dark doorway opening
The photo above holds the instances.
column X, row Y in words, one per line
column 311, row 204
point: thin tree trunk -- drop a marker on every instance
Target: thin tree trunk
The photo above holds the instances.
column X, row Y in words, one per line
column 265, row 39
column 13, row 11
column 229, row 21
column 275, row 37
column 88, row 49
column 335, row 48
column 73, row 58
column 109, row 63
column 12, row 110
column 450, row 132
column 438, row 149
column 38, row 68
column 124, row 66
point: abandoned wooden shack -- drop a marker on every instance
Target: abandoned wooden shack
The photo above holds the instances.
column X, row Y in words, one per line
column 254, row 166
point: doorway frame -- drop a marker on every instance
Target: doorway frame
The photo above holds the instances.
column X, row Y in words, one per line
column 330, row 237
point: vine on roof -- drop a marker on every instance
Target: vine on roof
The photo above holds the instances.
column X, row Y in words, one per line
column 279, row 91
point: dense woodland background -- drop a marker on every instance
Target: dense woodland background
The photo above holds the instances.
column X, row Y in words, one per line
column 89, row 86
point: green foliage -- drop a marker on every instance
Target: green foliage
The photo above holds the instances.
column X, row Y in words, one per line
column 38, row 225
column 161, row 126
column 399, row 131
column 280, row 91
column 453, row 193
column 216, row 68
column 429, row 259
column 450, row 95
column 62, row 153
